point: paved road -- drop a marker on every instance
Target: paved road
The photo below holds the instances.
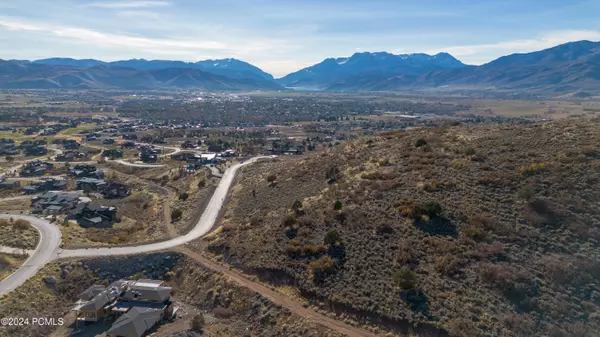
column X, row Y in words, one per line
column 39, row 178
column 215, row 171
column 126, row 163
column 19, row 197
column 203, row 226
column 45, row 252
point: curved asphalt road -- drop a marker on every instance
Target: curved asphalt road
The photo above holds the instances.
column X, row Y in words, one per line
column 44, row 252
column 47, row 250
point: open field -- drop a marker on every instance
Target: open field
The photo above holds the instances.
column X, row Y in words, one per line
column 79, row 128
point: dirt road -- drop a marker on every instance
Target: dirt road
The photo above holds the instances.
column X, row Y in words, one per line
column 278, row 298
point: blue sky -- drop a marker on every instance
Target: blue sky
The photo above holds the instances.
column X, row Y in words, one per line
column 282, row 36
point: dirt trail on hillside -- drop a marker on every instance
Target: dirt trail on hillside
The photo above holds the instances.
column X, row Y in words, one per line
column 278, row 298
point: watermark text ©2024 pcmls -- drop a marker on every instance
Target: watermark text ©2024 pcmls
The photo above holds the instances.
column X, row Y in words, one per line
column 33, row 321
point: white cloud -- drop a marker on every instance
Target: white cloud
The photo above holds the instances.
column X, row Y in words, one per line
column 139, row 14
column 482, row 53
column 128, row 4
column 100, row 39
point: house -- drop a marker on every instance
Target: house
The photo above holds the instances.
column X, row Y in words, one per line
column 31, row 189
column 94, row 303
column 10, row 184
column 292, row 151
column 70, row 156
column 184, row 156
column 35, row 168
column 92, row 136
column 8, row 147
column 114, row 190
column 137, row 306
column 188, row 145
column 71, row 144
column 128, row 145
column 135, row 322
column 271, row 150
column 94, row 215
column 50, row 184
column 90, row 184
column 208, row 158
column 36, row 150
column 228, row 153
column 54, row 202
column 112, row 153
column 130, row 137
column 10, row 151
column 85, row 171
column 148, row 154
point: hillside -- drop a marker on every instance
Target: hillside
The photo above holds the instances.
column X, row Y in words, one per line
column 44, row 76
column 489, row 230
column 564, row 68
column 374, row 64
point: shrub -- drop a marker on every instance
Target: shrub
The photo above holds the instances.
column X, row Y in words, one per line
column 404, row 255
column 289, row 220
column 589, row 150
column 333, row 173
column 332, row 237
column 447, row 265
column 176, row 214
column 183, row 196
column 526, row 193
column 297, row 205
column 321, row 267
column 20, row 225
column 271, row 178
column 137, row 276
column 420, row 142
column 516, row 285
column 255, row 220
column 470, row 151
column 474, row 233
column 431, row 209
column 533, row 168
column 405, row 278
column 198, row 323
column 221, row 312
column 201, row 183
column 338, row 205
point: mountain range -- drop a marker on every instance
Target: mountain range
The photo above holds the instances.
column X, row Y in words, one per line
column 88, row 74
column 568, row 67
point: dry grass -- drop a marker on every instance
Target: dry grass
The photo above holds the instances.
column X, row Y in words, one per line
column 18, row 233
column 9, row 263
column 474, row 212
